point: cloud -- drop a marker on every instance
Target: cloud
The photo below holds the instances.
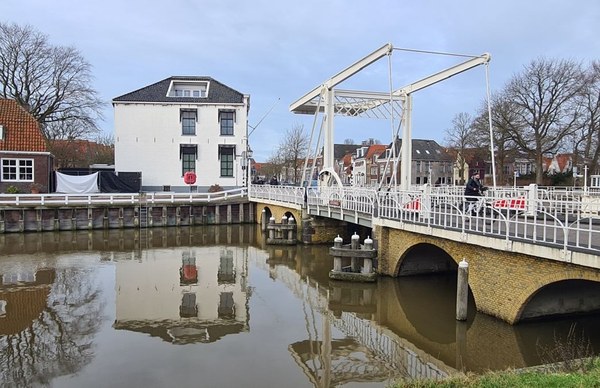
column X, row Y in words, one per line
column 281, row 50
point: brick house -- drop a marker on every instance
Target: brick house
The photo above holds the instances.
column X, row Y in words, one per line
column 26, row 162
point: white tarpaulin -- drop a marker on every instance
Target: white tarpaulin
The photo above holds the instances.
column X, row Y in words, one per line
column 77, row 184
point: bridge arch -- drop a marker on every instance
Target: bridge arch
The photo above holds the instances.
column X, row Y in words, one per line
column 568, row 296
column 508, row 285
column 424, row 258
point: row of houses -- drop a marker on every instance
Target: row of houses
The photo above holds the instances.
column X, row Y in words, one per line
column 370, row 164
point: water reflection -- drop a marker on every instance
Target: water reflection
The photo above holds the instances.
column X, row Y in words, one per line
column 201, row 297
column 213, row 298
column 48, row 317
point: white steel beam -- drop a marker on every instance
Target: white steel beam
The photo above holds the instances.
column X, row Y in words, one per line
column 297, row 106
column 444, row 74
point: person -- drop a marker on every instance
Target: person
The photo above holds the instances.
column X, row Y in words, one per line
column 273, row 181
column 473, row 190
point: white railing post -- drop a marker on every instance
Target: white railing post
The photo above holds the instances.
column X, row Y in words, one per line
column 425, row 206
column 532, row 199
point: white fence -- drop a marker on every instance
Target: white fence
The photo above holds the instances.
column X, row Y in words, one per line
column 565, row 218
column 155, row 198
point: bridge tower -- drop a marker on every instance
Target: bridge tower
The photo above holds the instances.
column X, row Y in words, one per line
column 395, row 104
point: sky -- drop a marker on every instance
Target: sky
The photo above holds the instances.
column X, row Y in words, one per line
column 277, row 51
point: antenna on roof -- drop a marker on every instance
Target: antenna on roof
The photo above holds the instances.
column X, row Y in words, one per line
column 265, row 116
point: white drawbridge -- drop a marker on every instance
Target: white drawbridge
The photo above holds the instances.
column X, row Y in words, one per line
column 328, row 101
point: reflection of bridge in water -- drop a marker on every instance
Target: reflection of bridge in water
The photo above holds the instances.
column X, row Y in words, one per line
column 368, row 353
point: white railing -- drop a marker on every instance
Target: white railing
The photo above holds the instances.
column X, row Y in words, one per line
column 286, row 194
column 155, row 198
column 568, row 219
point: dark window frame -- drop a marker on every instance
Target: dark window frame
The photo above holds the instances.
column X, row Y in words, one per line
column 226, row 159
column 188, row 154
column 188, row 119
column 227, row 122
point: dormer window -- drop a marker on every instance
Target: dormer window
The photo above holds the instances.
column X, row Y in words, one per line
column 190, row 89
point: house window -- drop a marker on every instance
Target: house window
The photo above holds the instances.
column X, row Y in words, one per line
column 226, row 155
column 17, row 170
column 188, row 118
column 227, row 118
column 188, row 153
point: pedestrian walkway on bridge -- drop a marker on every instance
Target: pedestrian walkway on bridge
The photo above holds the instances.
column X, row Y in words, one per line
column 563, row 218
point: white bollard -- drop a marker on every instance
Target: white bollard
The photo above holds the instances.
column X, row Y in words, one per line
column 462, row 291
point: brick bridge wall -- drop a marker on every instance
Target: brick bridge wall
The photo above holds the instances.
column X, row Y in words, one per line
column 502, row 282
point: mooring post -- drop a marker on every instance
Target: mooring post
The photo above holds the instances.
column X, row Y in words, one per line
column 280, row 232
column 291, row 234
column 272, row 228
column 337, row 260
column 367, row 261
column 462, row 290
column 354, row 244
column 263, row 221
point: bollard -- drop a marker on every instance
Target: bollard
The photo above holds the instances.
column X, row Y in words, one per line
column 354, row 241
column 462, row 291
column 291, row 234
column 355, row 244
column 263, row 221
column 337, row 242
column 337, row 260
column 368, row 262
column 280, row 232
column 272, row 230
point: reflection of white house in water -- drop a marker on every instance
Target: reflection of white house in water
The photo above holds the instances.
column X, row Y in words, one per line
column 184, row 295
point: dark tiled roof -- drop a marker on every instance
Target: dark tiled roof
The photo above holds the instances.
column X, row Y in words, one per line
column 157, row 92
column 339, row 150
column 21, row 130
column 428, row 150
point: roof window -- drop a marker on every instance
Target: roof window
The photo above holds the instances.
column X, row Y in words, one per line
column 191, row 89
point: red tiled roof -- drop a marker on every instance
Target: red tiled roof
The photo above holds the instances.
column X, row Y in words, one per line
column 375, row 149
column 21, row 130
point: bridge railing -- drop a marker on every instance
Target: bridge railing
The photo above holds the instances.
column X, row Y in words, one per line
column 279, row 193
column 150, row 198
column 569, row 219
column 566, row 222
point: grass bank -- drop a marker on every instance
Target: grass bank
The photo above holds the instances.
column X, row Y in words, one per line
column 587, row 376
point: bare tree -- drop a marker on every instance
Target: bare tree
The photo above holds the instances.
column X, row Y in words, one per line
column 587, row 139
column 51, row 82
column 348, row 141
column 292, row 151
column 460, row 138
column 502, row 117
column 544, row 101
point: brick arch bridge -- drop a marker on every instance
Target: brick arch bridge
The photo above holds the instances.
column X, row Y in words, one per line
column 508, row 285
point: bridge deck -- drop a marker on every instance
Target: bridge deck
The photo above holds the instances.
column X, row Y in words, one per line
column 566, row 220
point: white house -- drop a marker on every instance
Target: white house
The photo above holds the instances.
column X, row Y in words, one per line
column 183, row 124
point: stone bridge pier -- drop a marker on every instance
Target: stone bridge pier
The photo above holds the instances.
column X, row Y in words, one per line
column 311, row 229
column 508, row 285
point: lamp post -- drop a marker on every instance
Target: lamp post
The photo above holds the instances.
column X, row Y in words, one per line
column 247, row 165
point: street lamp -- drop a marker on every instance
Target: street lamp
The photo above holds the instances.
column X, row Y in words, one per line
column 248, row 164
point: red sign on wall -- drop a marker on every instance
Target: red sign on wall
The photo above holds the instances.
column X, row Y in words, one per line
column 189, row 178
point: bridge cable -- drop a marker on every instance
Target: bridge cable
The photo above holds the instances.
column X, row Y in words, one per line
column 312, row 131
column 489, row 106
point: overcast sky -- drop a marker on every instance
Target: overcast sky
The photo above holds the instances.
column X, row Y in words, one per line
column 276, row 51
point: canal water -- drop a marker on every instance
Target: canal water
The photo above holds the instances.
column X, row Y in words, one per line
column 216, row 307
